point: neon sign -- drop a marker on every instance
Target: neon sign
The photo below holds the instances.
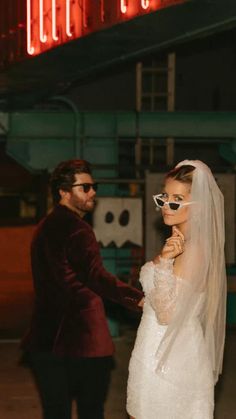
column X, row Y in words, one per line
column 53, row 22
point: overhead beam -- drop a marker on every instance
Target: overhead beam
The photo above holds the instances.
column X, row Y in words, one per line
column 38, row 140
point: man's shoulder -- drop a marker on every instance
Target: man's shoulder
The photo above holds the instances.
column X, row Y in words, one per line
column 65, row 220
column 59, row 227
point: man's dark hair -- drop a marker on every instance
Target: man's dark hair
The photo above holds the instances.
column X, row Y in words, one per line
column 63, row 176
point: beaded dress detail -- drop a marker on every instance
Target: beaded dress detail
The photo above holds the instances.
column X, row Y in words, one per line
column 183, row 388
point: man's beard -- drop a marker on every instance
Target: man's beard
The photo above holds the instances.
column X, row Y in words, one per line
column 82, row 206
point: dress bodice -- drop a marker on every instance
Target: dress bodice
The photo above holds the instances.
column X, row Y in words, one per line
column 162, row 287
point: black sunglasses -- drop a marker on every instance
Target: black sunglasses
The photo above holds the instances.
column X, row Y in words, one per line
column 86, row 186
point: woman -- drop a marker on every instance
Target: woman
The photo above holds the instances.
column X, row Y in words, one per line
column 178, row 352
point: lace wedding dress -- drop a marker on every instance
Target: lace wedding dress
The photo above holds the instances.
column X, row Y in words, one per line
column 183, row 388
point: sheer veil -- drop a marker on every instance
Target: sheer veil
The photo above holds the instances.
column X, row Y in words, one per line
column 203, row 287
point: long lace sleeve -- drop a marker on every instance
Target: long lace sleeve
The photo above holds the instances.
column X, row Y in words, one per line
column 147, row 277
column 163, row 296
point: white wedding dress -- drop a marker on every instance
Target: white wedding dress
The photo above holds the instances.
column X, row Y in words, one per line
column 184, row 388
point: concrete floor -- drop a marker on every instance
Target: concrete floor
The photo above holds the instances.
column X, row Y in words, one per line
column 19, row 398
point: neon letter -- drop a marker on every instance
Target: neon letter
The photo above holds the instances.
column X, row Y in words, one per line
column 30, row 49
column 42, row 36
column 123, row 6
column 68, row 31
column 145, row 4
column 54, row 20
column 102, row 10
column 85, row 24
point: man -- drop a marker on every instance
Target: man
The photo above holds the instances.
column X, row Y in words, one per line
column 69, row 345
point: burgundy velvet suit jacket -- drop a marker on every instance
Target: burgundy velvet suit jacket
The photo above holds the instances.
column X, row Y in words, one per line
column 70, row 283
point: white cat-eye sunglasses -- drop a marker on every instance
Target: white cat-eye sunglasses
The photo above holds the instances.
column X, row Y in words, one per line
column 174, row 206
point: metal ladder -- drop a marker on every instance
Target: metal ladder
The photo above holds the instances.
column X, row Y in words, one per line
column 155, row 91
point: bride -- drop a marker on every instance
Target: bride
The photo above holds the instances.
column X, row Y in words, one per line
column 178, row 352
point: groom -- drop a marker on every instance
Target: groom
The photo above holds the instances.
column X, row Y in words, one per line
column 69, row 345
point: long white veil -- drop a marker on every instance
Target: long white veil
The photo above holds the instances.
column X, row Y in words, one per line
column 203, row 273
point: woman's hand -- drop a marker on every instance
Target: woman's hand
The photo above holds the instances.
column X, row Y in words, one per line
column 141, row 302
column 173, row 247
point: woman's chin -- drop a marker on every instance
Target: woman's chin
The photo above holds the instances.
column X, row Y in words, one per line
column 169, row 220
